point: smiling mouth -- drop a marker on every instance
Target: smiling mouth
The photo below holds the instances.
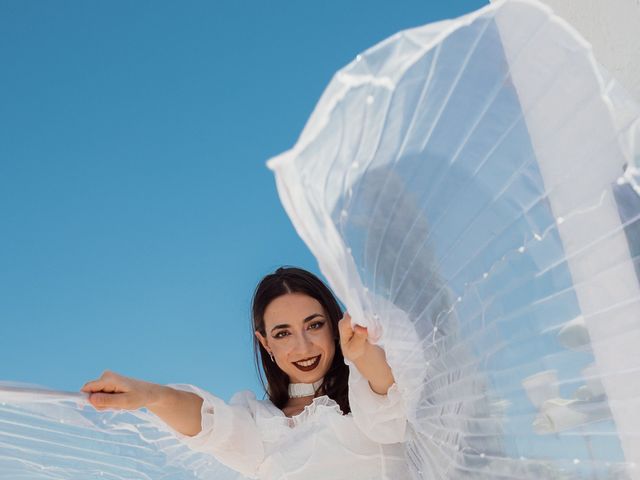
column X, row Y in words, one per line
column 309, row 364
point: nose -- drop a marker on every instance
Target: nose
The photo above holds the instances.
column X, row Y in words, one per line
column 303, row 344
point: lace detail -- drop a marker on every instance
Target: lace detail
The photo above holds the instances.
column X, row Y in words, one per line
column 272, row 421
column 321, row 405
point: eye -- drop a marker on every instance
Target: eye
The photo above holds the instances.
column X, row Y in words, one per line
column 281, row 334
column 316, row 325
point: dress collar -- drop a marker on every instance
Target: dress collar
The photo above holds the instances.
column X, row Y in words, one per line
column 297, row 390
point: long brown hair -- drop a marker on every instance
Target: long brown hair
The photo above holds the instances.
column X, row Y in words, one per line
column 296, row 280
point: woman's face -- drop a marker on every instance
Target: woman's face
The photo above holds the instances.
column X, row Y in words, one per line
column 298, row 333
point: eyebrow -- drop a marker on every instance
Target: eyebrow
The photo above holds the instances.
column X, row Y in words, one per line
column 308, row 319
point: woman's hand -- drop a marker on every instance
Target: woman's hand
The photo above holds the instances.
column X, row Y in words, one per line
column 369, row 359
column 354, row 342
column 116, row 391
column 180, row 410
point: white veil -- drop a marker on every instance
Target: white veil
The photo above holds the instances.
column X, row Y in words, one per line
column 47, row 434
column 468, row 188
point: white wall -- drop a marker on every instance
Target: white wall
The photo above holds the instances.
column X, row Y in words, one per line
column 613, row 28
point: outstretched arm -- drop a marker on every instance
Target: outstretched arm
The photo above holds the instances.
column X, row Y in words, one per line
column 178, row 409
column 369, row 359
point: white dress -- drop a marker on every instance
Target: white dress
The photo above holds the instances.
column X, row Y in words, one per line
column 255, row 438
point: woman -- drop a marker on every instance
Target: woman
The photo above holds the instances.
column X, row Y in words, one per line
column 323, row 418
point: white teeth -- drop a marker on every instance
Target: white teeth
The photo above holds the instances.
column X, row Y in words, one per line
column 307, row 363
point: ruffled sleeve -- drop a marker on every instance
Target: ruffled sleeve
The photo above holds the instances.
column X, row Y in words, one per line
column 382, row 418
column 229, row 431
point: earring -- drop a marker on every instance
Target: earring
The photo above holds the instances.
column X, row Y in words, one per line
column 271, row 355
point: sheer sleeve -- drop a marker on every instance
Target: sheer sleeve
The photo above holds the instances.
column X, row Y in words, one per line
column 382, row 418
column 229, row 431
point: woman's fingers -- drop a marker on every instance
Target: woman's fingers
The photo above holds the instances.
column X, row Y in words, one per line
column 352, row 340
column 97, row 386
column 359, row 338
column 108, row 391
column 345, row 330
column 112, row 390
column 102, row 401
column 90, row 387
column 108, row 382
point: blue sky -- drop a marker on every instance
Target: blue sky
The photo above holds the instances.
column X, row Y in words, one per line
column 137, row 212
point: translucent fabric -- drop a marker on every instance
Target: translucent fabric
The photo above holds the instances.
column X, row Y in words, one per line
column 469, row 187
column 47, row 435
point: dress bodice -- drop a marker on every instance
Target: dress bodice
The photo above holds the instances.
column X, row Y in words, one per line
column 257, row 439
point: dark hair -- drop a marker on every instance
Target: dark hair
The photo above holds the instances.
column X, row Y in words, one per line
column 296, row 280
